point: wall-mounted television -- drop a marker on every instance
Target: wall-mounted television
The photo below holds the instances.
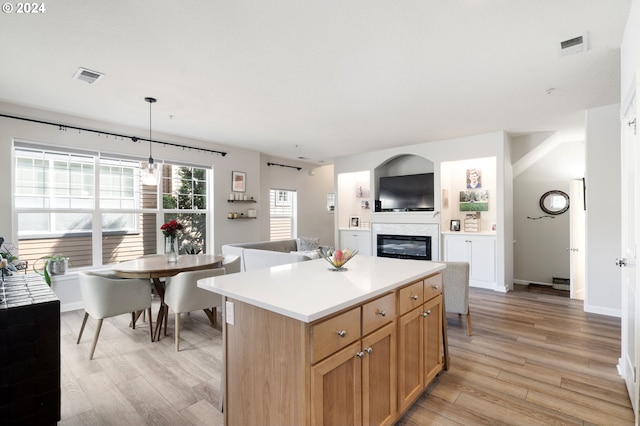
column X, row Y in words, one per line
column 406, row 193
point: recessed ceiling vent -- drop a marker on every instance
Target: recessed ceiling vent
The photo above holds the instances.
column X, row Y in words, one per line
column 88, row 76
column 573, row 45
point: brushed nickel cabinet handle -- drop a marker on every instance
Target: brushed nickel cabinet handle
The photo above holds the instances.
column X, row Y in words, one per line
column 342, row 333
column 414, row 297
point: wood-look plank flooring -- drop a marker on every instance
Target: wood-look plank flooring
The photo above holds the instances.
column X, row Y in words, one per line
column 533, row 359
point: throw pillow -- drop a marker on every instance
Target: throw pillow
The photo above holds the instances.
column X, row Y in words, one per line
column 308, row 243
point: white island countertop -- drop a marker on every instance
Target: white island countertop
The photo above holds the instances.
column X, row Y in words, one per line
column 308, row 291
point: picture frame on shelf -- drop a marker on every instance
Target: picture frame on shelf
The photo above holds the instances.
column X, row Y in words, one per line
column 354, row 222
column 455, row 225
column 239, row 181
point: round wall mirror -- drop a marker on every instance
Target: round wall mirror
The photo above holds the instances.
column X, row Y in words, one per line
column 554, row 202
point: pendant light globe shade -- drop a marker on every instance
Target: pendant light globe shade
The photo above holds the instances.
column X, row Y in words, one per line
column 150, row 171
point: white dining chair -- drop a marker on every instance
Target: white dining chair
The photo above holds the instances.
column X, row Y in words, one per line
column 106, row 296
column 182, row 295
column 231, row 263
column 455, row 279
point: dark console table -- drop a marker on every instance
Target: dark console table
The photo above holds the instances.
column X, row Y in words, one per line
column 29, row 351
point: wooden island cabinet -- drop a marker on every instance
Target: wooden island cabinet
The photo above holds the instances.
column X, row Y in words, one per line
column 342, row 349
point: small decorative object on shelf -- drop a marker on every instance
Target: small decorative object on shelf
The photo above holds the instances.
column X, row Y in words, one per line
column 170, row 232
column 472, row 222
column 338, row 258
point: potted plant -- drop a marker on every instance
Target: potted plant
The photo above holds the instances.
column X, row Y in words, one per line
column 53, row 265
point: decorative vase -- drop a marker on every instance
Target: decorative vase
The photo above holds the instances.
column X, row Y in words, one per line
column 171, row 248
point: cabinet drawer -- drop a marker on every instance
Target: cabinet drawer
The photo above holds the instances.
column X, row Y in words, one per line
column 411, row 296
column 432, row 286
column 378, row 313
column 334, row 334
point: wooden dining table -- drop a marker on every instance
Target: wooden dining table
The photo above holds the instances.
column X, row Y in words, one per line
column 156, row 267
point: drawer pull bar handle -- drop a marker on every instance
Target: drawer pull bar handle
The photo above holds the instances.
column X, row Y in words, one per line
column 382, row 313
column 342, row 333
column 414, row 297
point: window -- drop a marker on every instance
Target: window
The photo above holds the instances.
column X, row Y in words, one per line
column 282, row 214
column 95, row 209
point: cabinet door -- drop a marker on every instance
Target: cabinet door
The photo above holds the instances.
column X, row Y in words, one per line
column 432, row 329
column 410, row 357
column 482, row 261
column 356, row 240
column 336, row 389
column 379, row 379
column 455, row 249
column 348, row 239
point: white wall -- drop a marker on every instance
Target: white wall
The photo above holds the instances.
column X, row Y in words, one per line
column 453, row 178
column 312, row 184
column 630, row 54
column 602, row 287
column 540, row 250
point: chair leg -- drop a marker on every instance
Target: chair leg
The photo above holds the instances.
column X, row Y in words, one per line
column 150, row 323
column 95, row 338
column 211, row 314
column 84, row 322
column 468, row 322
column 166, row 319
column 133, row 320
column 177, row 332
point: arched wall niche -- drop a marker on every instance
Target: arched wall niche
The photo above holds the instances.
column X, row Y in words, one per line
column 403, row 164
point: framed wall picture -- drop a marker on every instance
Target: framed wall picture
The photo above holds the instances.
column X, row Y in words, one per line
column 354, row 222
column 455, row 225
column 474, row 201
column 238, row 181
column 474, row 179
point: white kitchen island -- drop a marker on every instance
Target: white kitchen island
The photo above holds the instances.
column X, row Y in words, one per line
column 305, row 345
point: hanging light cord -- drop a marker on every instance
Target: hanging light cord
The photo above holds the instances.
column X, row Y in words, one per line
column 151, row 101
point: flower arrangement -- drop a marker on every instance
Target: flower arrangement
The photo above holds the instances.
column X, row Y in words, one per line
column 171, row 228
column 337, row 258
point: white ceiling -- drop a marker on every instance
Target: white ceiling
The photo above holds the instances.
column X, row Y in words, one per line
column 318, row 79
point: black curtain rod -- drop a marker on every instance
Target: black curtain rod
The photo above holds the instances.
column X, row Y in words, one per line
column 284, row 165
column 100, row 132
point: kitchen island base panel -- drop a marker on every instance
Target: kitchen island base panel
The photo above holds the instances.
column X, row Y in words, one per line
column 265, row 355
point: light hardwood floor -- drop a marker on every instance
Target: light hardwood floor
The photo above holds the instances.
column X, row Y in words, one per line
column 533, row 359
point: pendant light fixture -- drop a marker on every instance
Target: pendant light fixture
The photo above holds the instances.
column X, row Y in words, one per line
column 150, row 171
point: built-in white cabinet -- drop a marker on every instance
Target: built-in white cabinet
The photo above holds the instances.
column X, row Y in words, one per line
column 477, row 249
column 356, row 239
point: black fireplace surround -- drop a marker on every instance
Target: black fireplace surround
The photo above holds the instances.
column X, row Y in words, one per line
column 404, row 246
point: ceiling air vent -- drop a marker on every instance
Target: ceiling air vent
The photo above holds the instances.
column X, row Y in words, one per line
column 88, row 76
column 573, row 45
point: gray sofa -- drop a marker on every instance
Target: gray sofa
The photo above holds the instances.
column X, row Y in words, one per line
column 264, row 254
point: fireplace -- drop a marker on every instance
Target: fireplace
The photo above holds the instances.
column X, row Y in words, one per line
column 404, row 246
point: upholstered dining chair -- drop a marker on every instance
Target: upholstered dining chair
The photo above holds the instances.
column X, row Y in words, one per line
column 106, row 296
column 455, row 280
column 182, row 294
column 231, row 263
